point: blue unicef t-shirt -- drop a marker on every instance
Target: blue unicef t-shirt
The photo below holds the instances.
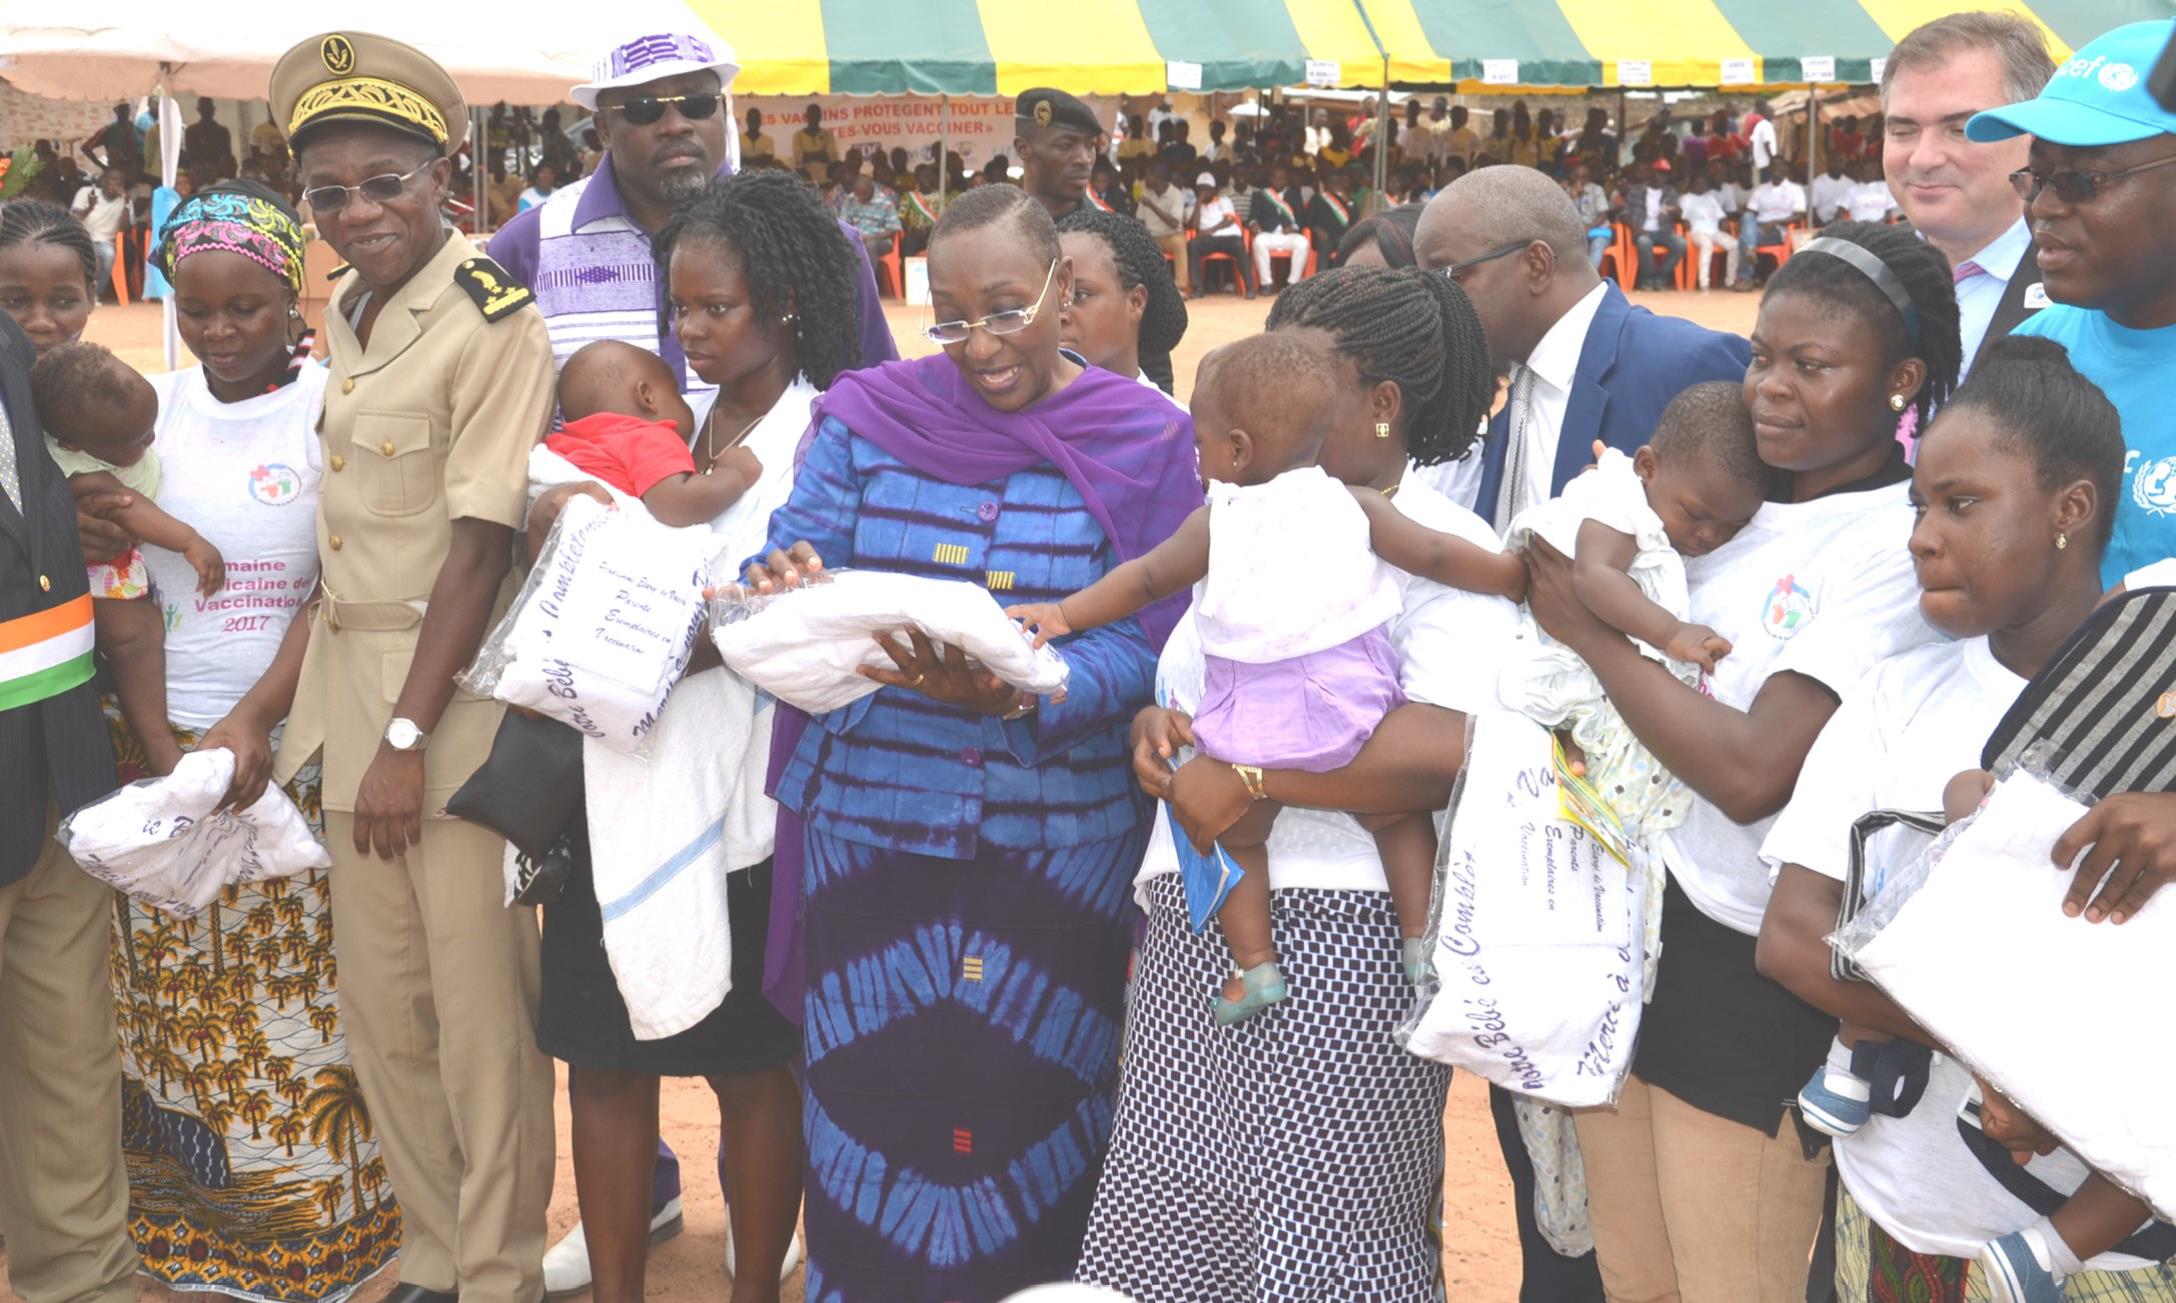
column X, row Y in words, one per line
column 2133, row 368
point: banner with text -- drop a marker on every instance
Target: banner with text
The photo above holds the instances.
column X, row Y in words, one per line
column 977, row 126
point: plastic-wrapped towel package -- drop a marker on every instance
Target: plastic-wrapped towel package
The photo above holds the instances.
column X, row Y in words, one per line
column 1973, row 943
column 804, row 646
column 158, row 839
column 604, row 625
column 1536, row 930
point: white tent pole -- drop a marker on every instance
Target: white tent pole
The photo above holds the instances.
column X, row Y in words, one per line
column 944, row 148
column 170, row 132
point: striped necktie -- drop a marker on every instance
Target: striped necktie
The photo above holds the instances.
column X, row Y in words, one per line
column 1966, row 270
column 11, row 475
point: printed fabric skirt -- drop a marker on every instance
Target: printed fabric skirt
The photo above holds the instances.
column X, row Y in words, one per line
column 1872, row 1268
column 962, row 1034
column 1295, row 1157
column 253, row 1164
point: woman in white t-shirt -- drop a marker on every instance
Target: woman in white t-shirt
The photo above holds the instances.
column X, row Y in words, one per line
column 1299, row 1155
column 1699, row 1182
column 241, row 460
column 2016, row 486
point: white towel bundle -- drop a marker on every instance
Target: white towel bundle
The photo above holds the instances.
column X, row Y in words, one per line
column 604, row 625
column 1983, row 957
column 1539, row 941
column 159, row 840
column 805, row 645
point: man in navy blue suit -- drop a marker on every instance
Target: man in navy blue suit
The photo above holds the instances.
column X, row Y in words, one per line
column 1584, row 364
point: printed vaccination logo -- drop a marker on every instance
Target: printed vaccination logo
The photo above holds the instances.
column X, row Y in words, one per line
column 1787, row 609
column 275, row 485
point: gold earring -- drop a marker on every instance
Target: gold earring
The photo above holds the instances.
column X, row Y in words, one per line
column 1382, row 429
column 1896, row 402
column 2062, row 541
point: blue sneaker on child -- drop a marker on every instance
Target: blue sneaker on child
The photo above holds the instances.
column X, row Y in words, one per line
column 2018, row 1271
column 1835, row 1101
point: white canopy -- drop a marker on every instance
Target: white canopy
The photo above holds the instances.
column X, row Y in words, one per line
column 118, row 49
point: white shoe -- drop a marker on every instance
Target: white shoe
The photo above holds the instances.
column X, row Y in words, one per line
column 566, row 1264
column 793, row 1254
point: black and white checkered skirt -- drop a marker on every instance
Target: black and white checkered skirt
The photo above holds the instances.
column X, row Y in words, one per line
column 1297, row 1156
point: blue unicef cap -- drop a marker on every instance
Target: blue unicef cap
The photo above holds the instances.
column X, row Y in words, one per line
column 2098, row 98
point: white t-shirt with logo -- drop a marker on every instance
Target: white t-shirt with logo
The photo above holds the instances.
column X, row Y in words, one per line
column 1870, row 201
column 1774, row 203
column 1822, row 588
column 1704, row 213
column 244, row 475
column 1919, row 719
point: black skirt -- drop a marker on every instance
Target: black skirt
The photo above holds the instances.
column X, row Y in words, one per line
column 582, row 1020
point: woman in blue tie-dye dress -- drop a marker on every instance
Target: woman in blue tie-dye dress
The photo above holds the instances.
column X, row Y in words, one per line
column 967, row 851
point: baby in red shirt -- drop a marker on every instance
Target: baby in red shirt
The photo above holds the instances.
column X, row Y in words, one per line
column 625, row 423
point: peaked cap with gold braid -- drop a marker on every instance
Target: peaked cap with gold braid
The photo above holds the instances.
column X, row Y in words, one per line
column 361, row 77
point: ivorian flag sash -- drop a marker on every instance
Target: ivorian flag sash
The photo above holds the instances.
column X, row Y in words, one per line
column 1097, row 200
column 1291, row 219
column 1344, row 214
column 45, row 654
column 921, row 205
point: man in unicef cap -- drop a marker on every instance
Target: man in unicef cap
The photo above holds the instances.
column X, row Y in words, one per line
column 2100, row 191
column 664, row 116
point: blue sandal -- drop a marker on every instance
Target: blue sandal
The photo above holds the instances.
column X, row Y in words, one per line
column 1264, row 986
column 1415, row 952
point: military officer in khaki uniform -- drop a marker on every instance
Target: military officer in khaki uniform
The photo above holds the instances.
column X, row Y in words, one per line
column 441, row 383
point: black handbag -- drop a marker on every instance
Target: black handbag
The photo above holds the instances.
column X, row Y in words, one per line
column 528, row 791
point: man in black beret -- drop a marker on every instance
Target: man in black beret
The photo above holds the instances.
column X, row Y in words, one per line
column 1056, row 139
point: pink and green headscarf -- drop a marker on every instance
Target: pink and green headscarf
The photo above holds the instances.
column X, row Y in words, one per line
column 238, row 217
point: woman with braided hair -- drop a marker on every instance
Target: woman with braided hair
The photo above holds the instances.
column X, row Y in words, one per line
column 1124, row 307
column 764, row 300
column 1300, row 1155
column 48, row 271
column 1699, row 1181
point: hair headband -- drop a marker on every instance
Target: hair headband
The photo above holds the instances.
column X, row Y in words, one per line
column 1874, row 269
column 234, row 219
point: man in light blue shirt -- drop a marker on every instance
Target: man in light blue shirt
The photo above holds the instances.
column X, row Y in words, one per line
column 1955, row 192
column 2100, row 191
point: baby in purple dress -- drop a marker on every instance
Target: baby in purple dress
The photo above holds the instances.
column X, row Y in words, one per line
column 1296, row 582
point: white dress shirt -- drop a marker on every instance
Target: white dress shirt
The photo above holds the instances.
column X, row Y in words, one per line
column 1548, row 371
column 1979, row 296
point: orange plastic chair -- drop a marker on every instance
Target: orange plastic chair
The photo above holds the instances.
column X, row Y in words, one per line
column 120, row 267
column 895, row 276
column 1239, row 276
column 1624, row 257
column 1780, row 252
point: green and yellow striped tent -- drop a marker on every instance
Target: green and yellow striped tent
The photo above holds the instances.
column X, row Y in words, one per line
column 1000, row 47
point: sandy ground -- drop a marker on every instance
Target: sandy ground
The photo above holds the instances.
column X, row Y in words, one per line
column 1480, row 1256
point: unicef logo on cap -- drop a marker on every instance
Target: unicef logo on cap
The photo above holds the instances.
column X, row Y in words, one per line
column 2118, row 77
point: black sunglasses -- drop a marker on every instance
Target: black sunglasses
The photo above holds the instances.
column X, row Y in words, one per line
column 646, row 109
column 1457, row 270
column 2073, row 187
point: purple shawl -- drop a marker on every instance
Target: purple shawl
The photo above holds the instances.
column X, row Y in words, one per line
column 1122, row 445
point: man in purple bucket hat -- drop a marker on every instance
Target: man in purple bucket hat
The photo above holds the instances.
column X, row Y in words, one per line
column 665, row 118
